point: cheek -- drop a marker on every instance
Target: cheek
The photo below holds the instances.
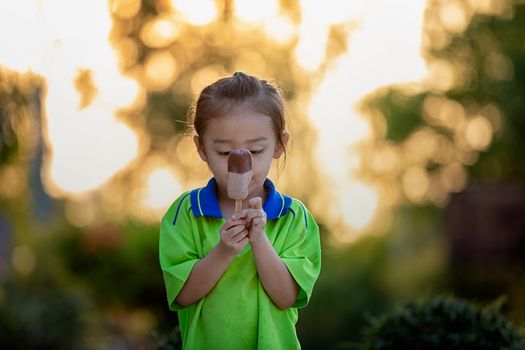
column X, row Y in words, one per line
column 262, row 166
column 217, row 166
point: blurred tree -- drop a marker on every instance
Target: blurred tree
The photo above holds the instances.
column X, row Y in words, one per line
column 461, row 139
column 435, row 140
column 13, row 103
column 472, row 127
column 37, row 313
column 174, row 59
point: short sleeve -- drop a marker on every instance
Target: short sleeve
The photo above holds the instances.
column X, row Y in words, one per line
column 302, row 254
column 177, row 250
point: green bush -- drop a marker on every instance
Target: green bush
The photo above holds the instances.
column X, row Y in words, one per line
column 443, row 323
column 39, row 314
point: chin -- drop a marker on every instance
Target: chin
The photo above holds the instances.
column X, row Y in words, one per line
column 254, row 190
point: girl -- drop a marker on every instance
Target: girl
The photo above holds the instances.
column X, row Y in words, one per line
column 237, row 280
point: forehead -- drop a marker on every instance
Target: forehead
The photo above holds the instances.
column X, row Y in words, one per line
column 240, row 126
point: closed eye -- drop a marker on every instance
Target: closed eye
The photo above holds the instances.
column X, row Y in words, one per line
column 252, row 152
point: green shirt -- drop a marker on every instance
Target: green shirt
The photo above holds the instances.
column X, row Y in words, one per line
column 237, row 313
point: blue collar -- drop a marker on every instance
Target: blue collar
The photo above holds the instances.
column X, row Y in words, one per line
column 204, row 201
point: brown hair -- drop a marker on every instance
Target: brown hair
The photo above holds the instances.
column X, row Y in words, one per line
column 226, row 94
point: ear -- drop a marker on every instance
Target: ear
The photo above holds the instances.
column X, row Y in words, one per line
column 279, row 148
column 200, row 148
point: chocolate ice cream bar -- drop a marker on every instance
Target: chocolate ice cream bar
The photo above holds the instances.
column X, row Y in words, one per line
column 239, row 175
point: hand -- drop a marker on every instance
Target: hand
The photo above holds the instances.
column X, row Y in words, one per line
column 234, row 236
column 255, row 219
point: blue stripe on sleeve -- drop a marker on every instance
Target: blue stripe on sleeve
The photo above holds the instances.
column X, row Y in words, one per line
column 178, row 208
column 304, row 213
column 293, row 212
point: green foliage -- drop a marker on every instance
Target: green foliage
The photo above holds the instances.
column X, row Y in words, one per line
column 39, row 314
column 12, row 102
column 443, row 323
column 117, row 266
column 401, row 113
column 119, row 262
column 486, row 35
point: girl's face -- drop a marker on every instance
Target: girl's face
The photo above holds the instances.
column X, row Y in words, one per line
column 242, row 129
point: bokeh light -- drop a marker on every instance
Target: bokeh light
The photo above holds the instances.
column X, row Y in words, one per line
column 23, row 259
column 98, row 82
column 159, row 32
column 401, row 113
column 160, row 70
column 87, row 145
column 198, row 12
column 162, row 186
column 254, row 12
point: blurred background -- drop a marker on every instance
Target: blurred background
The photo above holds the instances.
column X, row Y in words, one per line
column 408, row 129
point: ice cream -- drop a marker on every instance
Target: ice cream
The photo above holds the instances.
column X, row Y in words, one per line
column 239, row 175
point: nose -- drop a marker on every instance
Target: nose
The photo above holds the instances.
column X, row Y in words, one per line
column 239, row 175
column 239, row 161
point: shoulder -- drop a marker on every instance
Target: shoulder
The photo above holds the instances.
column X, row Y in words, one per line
column 300, row 214
column 181, row 205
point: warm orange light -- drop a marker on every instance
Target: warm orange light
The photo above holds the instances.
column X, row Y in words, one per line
column 160, row 70
column 440, row 111
column 453, row 177
column 159, row 32
column 158, row 188
column 490, row 7
column 280, row 29
column 205, row 76
column 13, row 181
column 421, row 146
column 441, row 76
column 415, row 183
column 162, row 188
column 493, row 114
column 124, row 8
column 385, row 160
column 87, row 145
column 378, row 54
column 88, row 148
column 256, row 11
column 453, row 16
column 478, row 132
column 358, row 204
column 80, row 212
column 196, row 12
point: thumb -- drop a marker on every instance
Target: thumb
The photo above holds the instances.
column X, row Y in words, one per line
column 255, row 203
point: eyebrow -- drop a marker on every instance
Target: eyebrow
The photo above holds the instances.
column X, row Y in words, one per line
column 257, row 139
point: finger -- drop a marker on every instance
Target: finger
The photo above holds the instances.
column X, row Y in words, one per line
column 235, row 230
column 242, row 243
column 259, row 213
column 236, row 222
column 250, row 215
column 255, row 203
column 258, row 222
column 231, row 223
column 231, row 233
column 240, row 236
column 239, row 215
